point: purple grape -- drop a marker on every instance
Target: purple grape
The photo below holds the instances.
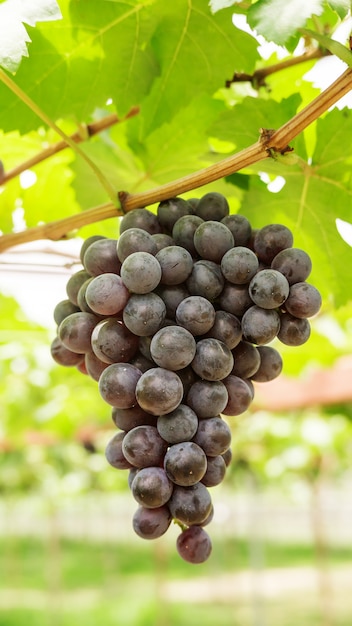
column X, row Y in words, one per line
column 207, row 398
column 117, row 385
column 151, row 523
column 185, row 463
column 151, row 487
column 173, row 347
column 159, row 391
column 194, row 545
column 143, row 447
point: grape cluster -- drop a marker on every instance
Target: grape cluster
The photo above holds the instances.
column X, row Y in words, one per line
column 173, row 320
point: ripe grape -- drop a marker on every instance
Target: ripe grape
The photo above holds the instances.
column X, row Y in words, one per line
column 106, row 294
column 304, row 300
column 140, row 218
column 246, row 360
column 140, row 272
column 134, row 240
column 205, row 280
column 239, row 395
column 176, row 265
column 117, row 385
column 212, row 206
column 126, row 419
column 294, row 264
column 94, row 365
column 213, row 360
column 183, row 232
column 212, row 239
column 112, row 342
column 270, row 364
column 159, row 391
column 235, row 299
column 64, row 356
column 215, row 472
column 114, row 454
column 194, row 544
column 190, row 505
column 185, row 463
column 179, row 425
column 86, row 243
column 151, row 487
column 169, row 211
column 294, row 331
column 151, row 523
column 227, row 328
column 172, row 296
column 100, row 257
column 196, row 314
column 173, row 347
column 144, row 313
column 260, row 325
column 240, row 228
column 269, row 289
column 75, row 331
column 142, row 446
column 207, row 398
column 270, row 240
column 239, row 265
column 213, row 436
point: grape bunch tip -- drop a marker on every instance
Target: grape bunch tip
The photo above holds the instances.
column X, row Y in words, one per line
column 173, row 321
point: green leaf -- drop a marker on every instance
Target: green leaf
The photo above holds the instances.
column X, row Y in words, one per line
column 95, row 53
column 241, row 125
column 241, row 181
column 167, row 155
column 13, row 34
column 342, row 7
column 278, row 20
column 335, row 47
column 313, row 197
column 197, row 52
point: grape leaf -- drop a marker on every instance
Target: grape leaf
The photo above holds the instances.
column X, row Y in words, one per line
column 95, row 53
column 241, row 125
column 13, row 34
column 313, row 197
column 167, row 155
column 340, row 6
column 125, row 51
column 335, row 47
column 278, row 20
column 188, row 36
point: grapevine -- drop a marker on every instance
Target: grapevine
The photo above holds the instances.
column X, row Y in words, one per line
column 174, row 320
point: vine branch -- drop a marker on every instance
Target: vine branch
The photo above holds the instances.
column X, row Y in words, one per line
column 86, row 131
column 269, row 143
column 258, row 77
column 46, row 119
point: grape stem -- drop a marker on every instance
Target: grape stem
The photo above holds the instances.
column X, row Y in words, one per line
column 269, row 144
column 258, row 77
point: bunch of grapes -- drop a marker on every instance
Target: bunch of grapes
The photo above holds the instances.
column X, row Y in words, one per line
column 173, row 320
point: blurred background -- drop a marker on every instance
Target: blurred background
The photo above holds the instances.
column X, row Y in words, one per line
column 282, row 532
